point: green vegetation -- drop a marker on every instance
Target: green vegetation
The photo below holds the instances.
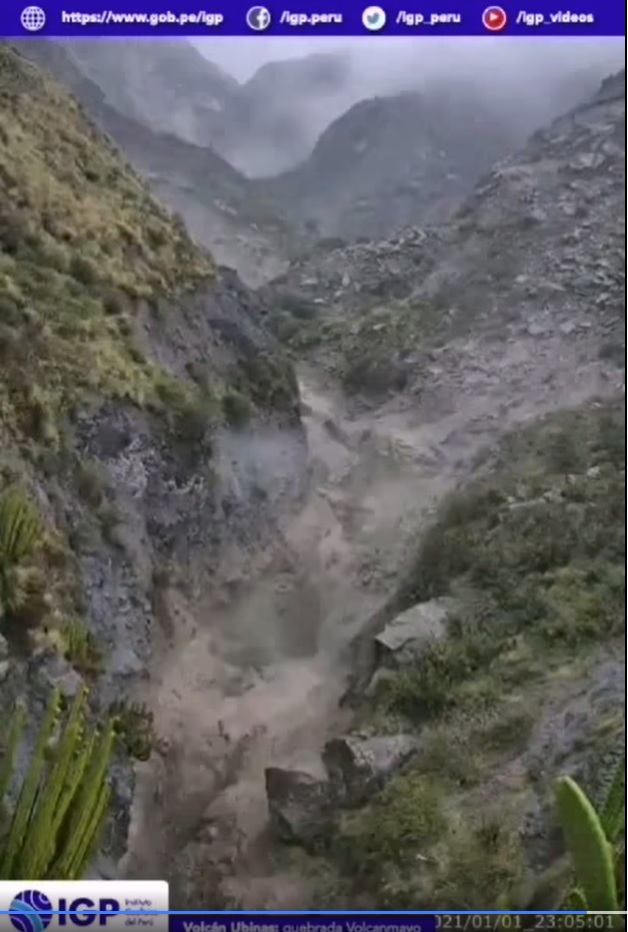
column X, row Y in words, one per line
column 591, row 838
column 369, row 350
column 237, row 408
column 20, row 537
column 80, row 647
column 588, row 846
column 532, row 553
column 80, row 237
column 535, row 554
column 37, row 585
column 53, row 829
column 134, row 726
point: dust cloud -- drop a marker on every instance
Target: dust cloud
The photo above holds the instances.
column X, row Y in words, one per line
column 256, row 679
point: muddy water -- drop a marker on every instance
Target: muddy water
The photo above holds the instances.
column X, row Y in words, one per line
column 259, row 683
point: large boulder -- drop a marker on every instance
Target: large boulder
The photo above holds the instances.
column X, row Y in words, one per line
column 406, row 636
column 359, row 767
column 299, row 804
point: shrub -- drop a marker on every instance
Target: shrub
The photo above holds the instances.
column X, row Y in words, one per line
column 237, row 408
column 20, row 537
column 409, row 814
column 80, row 647
column 527, row 557
column 83, row 270
column 134, row 726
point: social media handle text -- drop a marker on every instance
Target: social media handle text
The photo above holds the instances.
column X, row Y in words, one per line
column 414, row 20
column 559, row 18
column 298, row 20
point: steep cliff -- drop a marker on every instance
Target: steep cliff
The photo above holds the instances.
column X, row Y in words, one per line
column 129, row 364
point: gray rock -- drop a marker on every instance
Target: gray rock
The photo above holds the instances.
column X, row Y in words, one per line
column 299, row 804
column 404, row 638
column 359, row 767
column 5, row 663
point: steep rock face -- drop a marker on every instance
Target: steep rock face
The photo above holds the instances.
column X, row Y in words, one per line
column 166, row 85
column 127, row 362
column 221, row 208
column 393, row 161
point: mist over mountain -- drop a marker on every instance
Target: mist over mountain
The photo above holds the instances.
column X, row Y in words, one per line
column 263, row 105
column 390, row 161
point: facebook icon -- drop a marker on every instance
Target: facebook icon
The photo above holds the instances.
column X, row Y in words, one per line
column 258, row 18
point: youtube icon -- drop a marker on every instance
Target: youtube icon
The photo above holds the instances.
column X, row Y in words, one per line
column 494, row 18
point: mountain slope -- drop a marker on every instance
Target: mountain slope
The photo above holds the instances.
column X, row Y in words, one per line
column 126, row 359
column 393, row 161
column 221, row 208
column 496, row 661
column 538, row 251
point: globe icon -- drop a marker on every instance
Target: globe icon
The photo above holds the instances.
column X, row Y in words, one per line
column 30, row 911
column 33, row 18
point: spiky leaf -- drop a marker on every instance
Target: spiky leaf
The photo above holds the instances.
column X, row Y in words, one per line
column 591, row 853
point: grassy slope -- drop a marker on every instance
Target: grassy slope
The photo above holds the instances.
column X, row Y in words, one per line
column 81, row 239
column 82, row 243
column 541, row 589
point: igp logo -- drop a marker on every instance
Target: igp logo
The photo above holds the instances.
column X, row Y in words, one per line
column 32, row 911
column 73, row 905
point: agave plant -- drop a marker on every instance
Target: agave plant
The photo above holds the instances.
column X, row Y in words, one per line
column 54, row 828
column 592, row 838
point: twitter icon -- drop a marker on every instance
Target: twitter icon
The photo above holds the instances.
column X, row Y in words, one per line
column 374, row 18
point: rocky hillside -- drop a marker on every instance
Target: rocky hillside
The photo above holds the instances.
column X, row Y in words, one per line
column 128, row 361
column 497, row 659
column 537, row 251
column 221, row 208
column 393, row 161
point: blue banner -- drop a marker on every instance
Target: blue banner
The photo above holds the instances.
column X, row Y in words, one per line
column 420, row 18
column 303, row 922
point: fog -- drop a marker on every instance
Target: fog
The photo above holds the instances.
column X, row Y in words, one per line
column 529, row 81
column 387, row 63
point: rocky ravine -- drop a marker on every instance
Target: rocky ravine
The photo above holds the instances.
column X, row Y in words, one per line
column 380, row 468
column 245, row 581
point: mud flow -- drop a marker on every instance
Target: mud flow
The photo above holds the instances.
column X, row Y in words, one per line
column 257, row 682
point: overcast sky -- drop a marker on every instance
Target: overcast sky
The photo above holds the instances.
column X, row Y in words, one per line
column 498, row 54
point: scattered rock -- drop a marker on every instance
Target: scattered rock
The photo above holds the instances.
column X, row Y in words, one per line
column 299, row 803
column 359, row 767
column 405, row 637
